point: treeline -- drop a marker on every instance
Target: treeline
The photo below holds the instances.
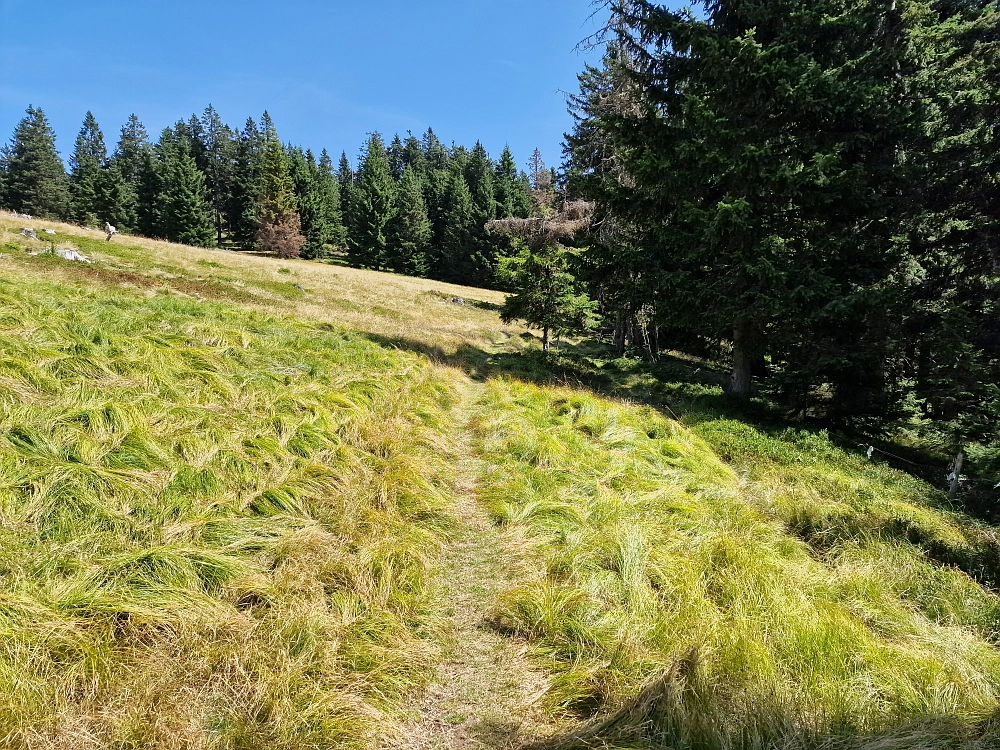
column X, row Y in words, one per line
column 808, row 190
column 414, row 205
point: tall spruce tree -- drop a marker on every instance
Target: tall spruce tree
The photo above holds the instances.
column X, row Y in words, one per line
column 117, row 199
column 36, row 178
column 279, row 227
column 452, row 261
column 372, row 207
column 319, row 202
column 245, row 187
column 217, row 162
column 186, row 211
column 760, row 154
column 90, row 156
column 409, row 231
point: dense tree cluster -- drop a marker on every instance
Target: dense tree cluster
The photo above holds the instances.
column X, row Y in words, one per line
column 810, row 188
column 413, row 205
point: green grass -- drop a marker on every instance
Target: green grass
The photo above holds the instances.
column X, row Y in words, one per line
column 650, row 553
column 222, row 518
column 217, row 526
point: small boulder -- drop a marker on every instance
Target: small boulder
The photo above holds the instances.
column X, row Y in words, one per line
column 29, row 233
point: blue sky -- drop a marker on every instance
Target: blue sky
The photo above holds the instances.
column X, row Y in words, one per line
column 328, row 72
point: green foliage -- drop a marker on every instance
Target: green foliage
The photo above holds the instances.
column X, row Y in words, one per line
column 650, row 558
column 318, row 196
column 87, row 164
column 809, row 182
column 409, row 232
column 186, row 213
column 36, row 181
column 218, row 526
column 372, row 207
column 277, row 209
column 546, row 293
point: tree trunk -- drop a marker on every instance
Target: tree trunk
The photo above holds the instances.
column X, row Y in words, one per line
column 545, row 339
column 741, row 381
column 620, row 334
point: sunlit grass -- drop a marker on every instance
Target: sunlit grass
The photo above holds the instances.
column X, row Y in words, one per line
column 216, row 525
column 649, row 552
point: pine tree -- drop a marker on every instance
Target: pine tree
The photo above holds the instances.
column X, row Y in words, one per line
column 279, row 228
column 87, row 164
column 149, row 194
column 245, row 187
column 319, row 202
column 452, row 262
column 409, row 232
column 128, row 162
column 36, row 178
column 372, row 207
column 130, row 154
column 117, row 199
column 217, row 162
column 186, row 210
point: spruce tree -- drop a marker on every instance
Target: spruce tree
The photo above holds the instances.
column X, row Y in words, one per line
column 372, row 207
column 117, row 199
column 759, row 175
column 127, row 163
column 279, row 228
column 36, row 178
column 452, row 261
column 245, row 187
column 87, row 164
column 319, row 202
column 130, row 154
column 409, row 232
column 4, row 173
column 186, row 210
column 217, row 162
column 150, row 195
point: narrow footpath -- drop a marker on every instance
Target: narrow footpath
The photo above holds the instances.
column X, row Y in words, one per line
column 486, row 693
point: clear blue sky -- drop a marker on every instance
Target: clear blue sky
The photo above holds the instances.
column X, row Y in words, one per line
column 328, row 72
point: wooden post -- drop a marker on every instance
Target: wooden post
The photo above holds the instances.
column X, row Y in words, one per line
column 956, row 474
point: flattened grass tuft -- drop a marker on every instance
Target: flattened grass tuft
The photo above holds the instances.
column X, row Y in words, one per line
column 216, row 526
column 649, row 553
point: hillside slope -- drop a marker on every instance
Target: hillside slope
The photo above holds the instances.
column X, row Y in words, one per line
column 248, row 502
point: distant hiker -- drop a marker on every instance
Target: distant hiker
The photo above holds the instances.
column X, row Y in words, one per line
column 110, row 230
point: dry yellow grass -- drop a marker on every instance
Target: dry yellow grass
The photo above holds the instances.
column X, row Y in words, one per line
column 398, row 309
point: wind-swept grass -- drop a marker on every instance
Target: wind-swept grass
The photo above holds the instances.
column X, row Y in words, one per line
column 215, row 526
column 652, row 558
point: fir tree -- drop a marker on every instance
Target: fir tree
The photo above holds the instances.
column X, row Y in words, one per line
column 245, row 187
column 186, row 210
column 130, row 154
column 4, row 173
column 36, row 178
column 87, row 164
column 409, row 232
column 372, row 206
column 217, row 162
column 279, row 228
column 397, row 158
column 117, row 199
column 458, row 233
column 150, row 192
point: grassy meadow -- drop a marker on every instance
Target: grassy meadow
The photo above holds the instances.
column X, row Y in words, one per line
column 227, row 485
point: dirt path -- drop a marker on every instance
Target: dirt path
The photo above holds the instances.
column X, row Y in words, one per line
column 486, row 693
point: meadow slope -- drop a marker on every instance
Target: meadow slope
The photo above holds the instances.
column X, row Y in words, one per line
column 247, row 502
